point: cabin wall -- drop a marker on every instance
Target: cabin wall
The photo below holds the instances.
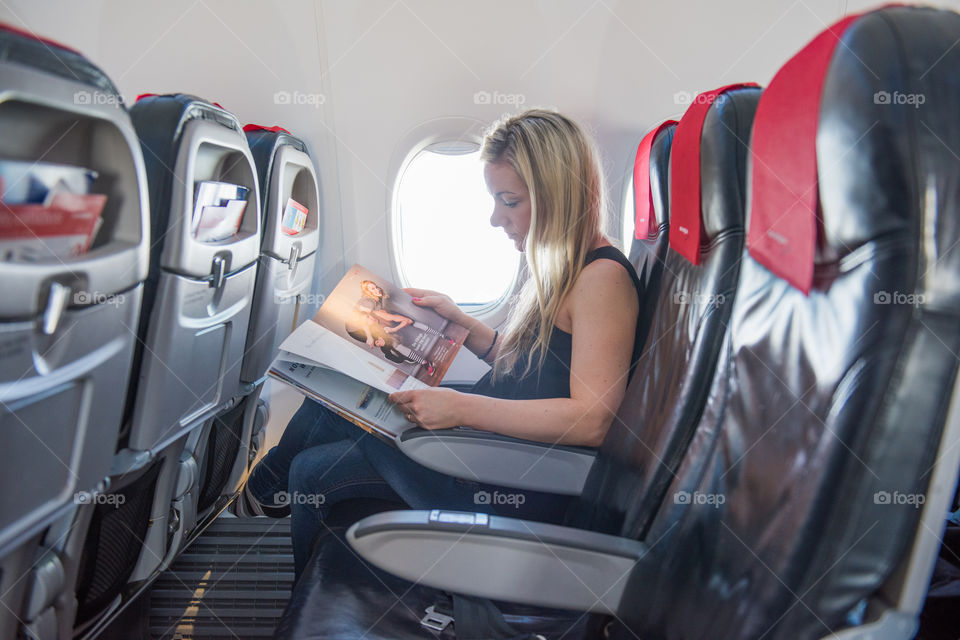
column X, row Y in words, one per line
column 368, row 74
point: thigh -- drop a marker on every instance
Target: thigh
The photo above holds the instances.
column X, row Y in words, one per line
column 311, row 425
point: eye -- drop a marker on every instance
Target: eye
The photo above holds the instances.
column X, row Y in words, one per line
column 511, row 204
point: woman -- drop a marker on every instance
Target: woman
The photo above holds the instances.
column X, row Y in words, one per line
column 560, row 367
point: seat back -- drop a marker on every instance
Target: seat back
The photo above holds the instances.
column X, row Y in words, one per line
column 65, row 318
column 667, row 393
column 651, row 209
column 799, row 493
column 287, row 260
column 197, row 302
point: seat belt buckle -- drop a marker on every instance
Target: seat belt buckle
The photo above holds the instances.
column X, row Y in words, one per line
column 434, row 620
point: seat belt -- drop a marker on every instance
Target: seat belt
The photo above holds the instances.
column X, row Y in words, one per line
column 472, row 619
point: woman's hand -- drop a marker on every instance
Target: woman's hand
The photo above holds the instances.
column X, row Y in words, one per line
column 442, row 304
column 436, row 408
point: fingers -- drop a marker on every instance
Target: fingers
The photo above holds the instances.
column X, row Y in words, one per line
column 400, row 397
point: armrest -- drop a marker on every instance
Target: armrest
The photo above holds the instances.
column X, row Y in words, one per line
column 501, row 558
column 489, row 457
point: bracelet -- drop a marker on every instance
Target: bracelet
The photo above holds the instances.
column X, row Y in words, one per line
column 496, row 334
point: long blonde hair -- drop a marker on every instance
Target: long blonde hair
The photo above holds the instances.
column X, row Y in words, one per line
column 558, row 163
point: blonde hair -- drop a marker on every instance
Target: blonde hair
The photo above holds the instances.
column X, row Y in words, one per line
column 558, row 164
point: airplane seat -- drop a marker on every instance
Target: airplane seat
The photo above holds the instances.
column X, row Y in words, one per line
column 65, row 318
column 706, row 156
column 818, row 482
column 651, row 219
column 288, row 253
column 651, row 201
column 191, row 335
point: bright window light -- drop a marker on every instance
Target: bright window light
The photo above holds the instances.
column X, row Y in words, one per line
column 446, row 242
column 629, row 213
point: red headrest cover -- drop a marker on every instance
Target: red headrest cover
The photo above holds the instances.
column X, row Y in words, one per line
column 784, row 195
column 685, row 219
column 645, row 216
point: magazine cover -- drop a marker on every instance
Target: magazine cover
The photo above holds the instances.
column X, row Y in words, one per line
column 378, row 316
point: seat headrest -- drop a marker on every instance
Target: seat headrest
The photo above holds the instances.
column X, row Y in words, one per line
column 783, row 219
column 264, row 142
column 686, row 221
column 645, row 223
column 29, row 49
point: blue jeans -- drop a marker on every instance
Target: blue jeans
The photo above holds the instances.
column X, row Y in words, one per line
column 323, row 459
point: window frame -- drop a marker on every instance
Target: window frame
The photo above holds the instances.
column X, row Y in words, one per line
column 441, row 131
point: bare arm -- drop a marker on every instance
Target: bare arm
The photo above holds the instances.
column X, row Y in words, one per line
column 603, row 309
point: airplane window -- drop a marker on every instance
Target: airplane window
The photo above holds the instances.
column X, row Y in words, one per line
column 442, row 228
column 629, row 212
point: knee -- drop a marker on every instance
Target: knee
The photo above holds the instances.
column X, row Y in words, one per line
column 302, row 471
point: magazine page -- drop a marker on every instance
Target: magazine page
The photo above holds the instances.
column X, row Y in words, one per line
column 317, row 345
column 361, row 404
column 379, row 317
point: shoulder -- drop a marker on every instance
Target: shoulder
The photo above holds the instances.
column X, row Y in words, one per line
column 604, row 281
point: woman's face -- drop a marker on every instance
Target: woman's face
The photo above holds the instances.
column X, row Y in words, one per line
column 372, row 290
column 511, row 201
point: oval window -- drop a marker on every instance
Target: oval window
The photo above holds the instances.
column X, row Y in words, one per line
column 443, row 236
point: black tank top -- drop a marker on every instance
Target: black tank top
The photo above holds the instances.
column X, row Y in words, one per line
column 552, row 380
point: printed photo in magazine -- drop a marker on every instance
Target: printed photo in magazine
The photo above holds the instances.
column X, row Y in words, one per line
column 380, row 317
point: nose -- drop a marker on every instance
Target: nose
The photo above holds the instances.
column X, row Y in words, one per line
column 495, row 219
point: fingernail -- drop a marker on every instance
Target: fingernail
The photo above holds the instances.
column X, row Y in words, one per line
column 416, row 299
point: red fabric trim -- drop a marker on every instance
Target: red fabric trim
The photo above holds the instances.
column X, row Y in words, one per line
column 145, row 95
column 33, row 36
column 260, row 127
column 686, row 220
column 784, row 191
column 645, row 216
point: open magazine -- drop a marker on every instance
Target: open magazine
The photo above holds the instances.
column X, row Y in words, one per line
column 368, row 340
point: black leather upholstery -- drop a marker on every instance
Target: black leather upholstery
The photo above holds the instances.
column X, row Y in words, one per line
column 669, row 388
column 647, row 254
column 824, row 405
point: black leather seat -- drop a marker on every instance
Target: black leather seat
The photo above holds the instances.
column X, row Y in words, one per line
column 662, row 403
column 651, row 209
column 828, row 404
